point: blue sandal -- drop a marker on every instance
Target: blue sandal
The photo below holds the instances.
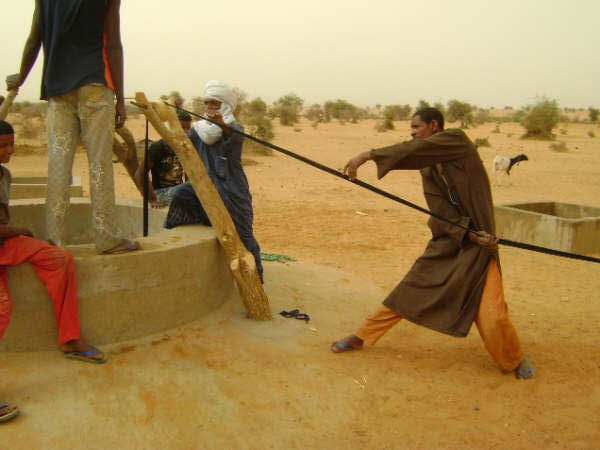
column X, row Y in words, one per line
column 85, row 356
column 11, row 415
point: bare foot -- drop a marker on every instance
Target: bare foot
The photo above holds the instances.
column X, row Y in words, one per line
column 346, row 344
column 525, row 370
column 83, row 351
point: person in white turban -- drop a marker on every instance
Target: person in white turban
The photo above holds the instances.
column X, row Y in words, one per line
column 220, row 149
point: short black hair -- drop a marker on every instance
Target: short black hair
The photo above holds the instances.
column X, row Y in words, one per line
column 6, row 128
column 429, row 114
column 184, row 116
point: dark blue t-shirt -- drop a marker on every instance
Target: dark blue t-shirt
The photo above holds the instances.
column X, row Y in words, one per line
column 73, row 40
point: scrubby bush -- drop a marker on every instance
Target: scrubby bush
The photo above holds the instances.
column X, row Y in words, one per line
column 422, row 105
column 315, row 113
column 441, row 108
column 460, row 112
column 497, row 129
column 559, row 146
column 288, row 108
column 397, row 112
column 591, row 134
column 253, row 115
column 342, row 110
column 541, row 120
column 388, row 121
column 482, row 142
column 593, row 114
column 482, row 116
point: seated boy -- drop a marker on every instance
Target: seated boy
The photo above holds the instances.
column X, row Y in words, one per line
column 55, row 267
column 163, row 164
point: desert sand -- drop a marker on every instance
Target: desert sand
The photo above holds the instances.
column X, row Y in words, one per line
column 227, row 382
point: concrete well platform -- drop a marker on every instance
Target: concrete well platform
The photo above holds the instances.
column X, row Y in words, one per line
column 177, row 277
column 35, row 187
column 561, row 226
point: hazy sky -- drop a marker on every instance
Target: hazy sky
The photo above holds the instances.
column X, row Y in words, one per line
column 487, row 52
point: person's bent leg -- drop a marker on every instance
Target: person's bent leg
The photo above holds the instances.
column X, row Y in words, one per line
column 97, row 114
column 185, row 208
column 6, row 302
column 62, row 125
column 493, row 322
column 373, row 329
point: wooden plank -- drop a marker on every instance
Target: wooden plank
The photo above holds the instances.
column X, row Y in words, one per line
column 241, row 261
column 7, row 103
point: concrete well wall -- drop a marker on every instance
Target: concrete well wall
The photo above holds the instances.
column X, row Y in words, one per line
column 178, row 276
column 35, row 187
column 560, row 226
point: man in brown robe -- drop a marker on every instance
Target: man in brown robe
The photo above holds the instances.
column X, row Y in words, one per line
column 457, row 280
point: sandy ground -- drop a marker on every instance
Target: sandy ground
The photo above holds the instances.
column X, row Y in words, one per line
column 225, row 382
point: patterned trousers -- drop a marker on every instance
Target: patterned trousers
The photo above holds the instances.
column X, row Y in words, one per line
column 87, row 113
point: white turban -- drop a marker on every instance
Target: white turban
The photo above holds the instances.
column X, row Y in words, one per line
column 215, row 90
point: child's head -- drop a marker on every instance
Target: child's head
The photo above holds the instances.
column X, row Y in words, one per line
column 7, row 141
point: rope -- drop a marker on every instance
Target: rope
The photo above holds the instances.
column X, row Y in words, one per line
column 507, row 242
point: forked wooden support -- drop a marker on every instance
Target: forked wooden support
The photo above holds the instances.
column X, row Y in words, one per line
column 127, row 153
column 241, row 261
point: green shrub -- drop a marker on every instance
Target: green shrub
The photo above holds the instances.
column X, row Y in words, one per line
column 591, row 134
column 541, row 120
column 593, row 114
column 482, row 142
column 460, row 112
column 384, row 125
column 315, row 113
column 288, row 108
column 482, row 116
column 342, row 110
column 397, row 112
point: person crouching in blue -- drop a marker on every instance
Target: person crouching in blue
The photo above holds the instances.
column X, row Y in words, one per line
column 221, row 151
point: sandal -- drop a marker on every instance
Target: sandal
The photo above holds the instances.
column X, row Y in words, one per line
column 131, row 246
column 85, row 356
column 8, row 416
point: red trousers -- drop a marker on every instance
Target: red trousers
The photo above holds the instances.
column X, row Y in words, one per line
column 56, row 269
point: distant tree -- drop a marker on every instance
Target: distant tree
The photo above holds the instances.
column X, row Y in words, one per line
column 482, row 116
column 388, row 120
column 288, row 108
column 397, row 112
column 441, row 108
column 315, row 113
column 253, row 115
column 422, row 104
column 542, row 119
column 593, row 114
column 460, row 112
column 378, row 106
column 343, row 110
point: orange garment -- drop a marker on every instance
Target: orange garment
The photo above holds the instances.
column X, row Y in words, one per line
column 56, row 269
column 494, row 325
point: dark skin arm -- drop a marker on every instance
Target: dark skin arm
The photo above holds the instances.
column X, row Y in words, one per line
column 114, row 51
column 139, row 179
column 483, row 239
column 10, row 232
column 30, row 52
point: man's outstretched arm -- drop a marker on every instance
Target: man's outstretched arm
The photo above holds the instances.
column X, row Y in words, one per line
column 30, row 52
column 114, row 52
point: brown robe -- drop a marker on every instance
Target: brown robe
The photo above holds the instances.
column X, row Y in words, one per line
column 442, row 290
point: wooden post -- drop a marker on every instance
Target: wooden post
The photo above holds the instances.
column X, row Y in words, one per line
column 127, row 154
column 7, row 103
column 241, row 261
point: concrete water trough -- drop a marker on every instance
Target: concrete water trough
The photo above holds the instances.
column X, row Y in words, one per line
column 35, row 187
column 178, row 276
column 560, row 226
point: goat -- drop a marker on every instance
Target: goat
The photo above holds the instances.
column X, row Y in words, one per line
column 502, row 164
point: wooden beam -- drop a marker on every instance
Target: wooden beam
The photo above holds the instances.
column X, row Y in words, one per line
column 241, row 261
column 7, row 103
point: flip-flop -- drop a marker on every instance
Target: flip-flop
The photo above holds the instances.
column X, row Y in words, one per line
column 11, row 415
column 85, row 356
column 341, row 347
column 520, row 373
column 133, row 245
column 296, row 314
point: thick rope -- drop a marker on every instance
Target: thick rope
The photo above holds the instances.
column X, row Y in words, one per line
column 507, row 242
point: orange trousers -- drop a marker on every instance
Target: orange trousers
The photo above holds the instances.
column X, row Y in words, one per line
column 56, row 269
column 494, row 325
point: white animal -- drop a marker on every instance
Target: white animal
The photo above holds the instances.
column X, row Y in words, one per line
column 502, row 165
